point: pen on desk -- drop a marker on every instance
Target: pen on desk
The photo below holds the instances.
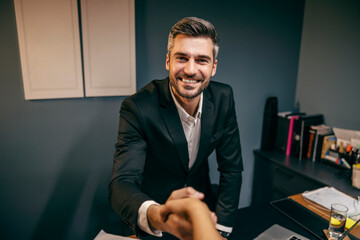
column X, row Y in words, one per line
column 347, row 232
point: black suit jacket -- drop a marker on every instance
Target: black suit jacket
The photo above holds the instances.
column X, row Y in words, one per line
column 151, row 158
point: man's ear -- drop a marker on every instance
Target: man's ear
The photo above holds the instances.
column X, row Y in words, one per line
column 167, row 64
column 214, row 68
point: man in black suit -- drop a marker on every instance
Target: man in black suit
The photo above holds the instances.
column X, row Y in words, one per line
column 167, row 131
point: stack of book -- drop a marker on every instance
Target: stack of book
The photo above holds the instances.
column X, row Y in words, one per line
column 303, row 136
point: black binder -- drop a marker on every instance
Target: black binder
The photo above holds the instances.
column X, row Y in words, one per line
column 301, row 132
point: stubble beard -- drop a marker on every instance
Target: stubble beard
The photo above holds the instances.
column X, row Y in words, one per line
column 184, row 95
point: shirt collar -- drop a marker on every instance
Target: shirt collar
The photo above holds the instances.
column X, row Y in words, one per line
column 183, row 114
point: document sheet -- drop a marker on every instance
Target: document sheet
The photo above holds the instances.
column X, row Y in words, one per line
column 327, row 195
column 102, row 235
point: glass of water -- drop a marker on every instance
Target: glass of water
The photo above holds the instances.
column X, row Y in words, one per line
column 338, row 215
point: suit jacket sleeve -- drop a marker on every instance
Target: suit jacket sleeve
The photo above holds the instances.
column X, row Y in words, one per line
column 129, row 159
column 230, row 166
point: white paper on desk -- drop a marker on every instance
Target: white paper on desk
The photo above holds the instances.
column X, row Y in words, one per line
column 328, row 195
column 102, row 235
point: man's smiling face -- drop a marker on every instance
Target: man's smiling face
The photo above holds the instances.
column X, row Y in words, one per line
column 191, row 65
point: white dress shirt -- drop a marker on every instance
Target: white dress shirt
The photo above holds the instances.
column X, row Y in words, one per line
column 192, row 128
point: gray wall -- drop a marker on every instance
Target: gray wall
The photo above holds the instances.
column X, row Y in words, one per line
column 56, row 155
column 329, row 68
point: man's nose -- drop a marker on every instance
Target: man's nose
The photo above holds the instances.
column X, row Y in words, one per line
column 190, row 68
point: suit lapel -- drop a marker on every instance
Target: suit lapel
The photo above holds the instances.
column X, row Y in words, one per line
column 173, row 123
column 207, row 125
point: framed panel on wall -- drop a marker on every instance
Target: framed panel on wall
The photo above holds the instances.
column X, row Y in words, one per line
column 49, row 44
column 108, row 28
column 50, row 48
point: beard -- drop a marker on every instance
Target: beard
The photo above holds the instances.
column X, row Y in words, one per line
column 182, row 91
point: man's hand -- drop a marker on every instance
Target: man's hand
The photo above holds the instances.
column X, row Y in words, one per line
column 173, row 224
column 187, row 208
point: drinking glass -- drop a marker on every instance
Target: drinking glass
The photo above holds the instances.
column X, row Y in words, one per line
column 338, row 215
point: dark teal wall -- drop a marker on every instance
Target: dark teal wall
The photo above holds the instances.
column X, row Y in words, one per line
column 56, row 155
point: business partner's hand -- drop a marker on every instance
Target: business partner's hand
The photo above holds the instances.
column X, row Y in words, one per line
column 197, row 213
column 174, row 224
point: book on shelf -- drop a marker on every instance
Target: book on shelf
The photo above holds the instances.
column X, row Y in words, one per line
column 312, row 133
column 293, row 134
column 316, row 136
column 327, row 142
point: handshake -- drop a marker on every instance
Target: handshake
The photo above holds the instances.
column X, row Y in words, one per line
column 185, row 216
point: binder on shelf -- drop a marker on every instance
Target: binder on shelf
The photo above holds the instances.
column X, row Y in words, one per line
column 295, row 148
column 302, row 127
column 282, row 130
column 283, row 126
column 290, row 134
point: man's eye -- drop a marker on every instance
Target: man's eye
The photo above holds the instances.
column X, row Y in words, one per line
column 182, row 58
column 202, row 60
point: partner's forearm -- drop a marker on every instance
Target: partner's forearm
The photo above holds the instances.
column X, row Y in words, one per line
column 203, row 226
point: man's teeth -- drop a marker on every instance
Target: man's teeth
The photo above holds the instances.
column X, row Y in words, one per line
column 189, row 81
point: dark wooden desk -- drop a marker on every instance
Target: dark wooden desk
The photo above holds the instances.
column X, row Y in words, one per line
column 277, row 176
column 252, row 221
column 320, row 211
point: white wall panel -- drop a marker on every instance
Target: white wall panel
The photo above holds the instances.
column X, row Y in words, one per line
column 49, row 43
column 108, row 28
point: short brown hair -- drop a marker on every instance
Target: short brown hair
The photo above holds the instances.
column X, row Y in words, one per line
column 194, row 27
